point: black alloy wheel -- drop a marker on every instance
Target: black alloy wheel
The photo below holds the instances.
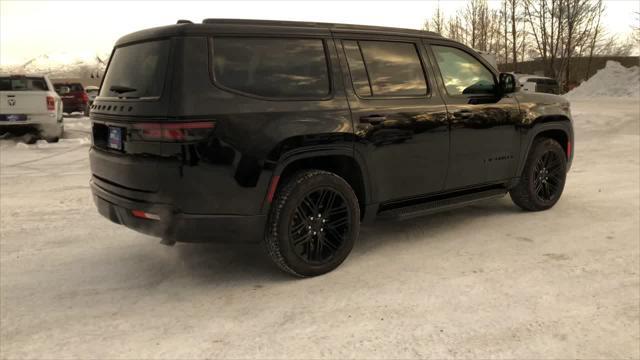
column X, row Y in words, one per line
column 543, row 177
column 548, row 176
column 313, row 223
column 319, row 225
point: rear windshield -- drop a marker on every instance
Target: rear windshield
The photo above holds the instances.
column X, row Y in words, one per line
column 137, row 71
column 72, row 87
column 543, row 81
column 23, row 84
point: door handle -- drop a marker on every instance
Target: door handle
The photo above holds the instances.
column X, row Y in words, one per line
column 372, row 119
column 463, row 114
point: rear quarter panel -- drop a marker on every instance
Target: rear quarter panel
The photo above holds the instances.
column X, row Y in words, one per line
column 231, row 173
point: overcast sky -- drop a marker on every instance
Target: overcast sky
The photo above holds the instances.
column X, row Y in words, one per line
column 32, row 28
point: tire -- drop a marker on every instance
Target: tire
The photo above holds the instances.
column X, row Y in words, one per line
column 313, row 223
column 55, row 139
column 543, row 176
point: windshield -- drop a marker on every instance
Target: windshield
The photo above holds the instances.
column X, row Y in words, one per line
column 23, row 84
column 72, row 87
column 137, row 71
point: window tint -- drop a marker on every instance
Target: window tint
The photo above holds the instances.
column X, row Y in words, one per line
column 394, row 68
column 137, row 70
column 462, row 73
column 276, row 68
column 22, row 84
column 72, row 87
column 356, row 68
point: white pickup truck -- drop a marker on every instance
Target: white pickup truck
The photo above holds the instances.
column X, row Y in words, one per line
column 29, row 106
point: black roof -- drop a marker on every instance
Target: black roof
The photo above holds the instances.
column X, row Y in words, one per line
column 239, row 26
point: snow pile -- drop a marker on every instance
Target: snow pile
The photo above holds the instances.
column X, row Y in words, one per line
column 614, row 80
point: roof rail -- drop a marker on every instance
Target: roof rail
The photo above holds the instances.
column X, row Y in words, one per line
column 316, row 25
column 182, row 21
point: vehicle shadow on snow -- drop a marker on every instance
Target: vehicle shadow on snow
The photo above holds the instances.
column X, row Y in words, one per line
column 234, row 262
column 431, row 228
column 228, row 262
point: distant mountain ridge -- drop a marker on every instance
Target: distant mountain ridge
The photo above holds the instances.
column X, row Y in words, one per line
column 87, row 68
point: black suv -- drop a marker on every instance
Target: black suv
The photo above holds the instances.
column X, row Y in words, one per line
column 294, row 133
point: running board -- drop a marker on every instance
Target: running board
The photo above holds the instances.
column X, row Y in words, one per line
column 433, row 206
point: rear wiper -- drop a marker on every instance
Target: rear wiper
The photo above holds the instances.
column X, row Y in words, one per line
column 121, row 89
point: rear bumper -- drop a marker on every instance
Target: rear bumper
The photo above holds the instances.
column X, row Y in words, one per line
column 71, row 107
column 34, row 119
column 46, row 124
column 175, row 226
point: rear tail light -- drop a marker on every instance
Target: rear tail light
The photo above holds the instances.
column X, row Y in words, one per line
column 51, row 103
column 187, row 131
column 85, row 97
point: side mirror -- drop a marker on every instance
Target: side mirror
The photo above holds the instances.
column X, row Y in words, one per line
column 64, row 90
column 508, row 83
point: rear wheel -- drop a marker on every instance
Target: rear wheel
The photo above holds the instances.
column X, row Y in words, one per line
column 29, row 138
column 56, row 137
column 313, row 224
column 543, row 176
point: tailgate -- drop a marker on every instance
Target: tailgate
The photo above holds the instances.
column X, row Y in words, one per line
column 23, row 102
column 127, row 165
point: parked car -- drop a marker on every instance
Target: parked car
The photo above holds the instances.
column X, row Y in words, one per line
column 92, row 92
column 539, row 84
column 75, row 100
column 293, row 134
column 29, row 106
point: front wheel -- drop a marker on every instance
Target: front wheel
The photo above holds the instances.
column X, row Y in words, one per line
column 543, row 176
column 313, row 224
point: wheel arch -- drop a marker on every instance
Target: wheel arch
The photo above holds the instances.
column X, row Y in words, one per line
column 342, row 161
column 556, row 127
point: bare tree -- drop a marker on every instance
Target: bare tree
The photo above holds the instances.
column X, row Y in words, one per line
column 514, row 34
column 595, row 34
column 437, row 22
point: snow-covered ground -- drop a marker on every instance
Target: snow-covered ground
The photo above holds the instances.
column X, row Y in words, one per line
column 483, row 281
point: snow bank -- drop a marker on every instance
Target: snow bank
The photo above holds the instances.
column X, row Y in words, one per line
column 614, row 80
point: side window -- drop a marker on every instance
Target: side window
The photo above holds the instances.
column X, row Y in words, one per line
column 272, row 67
column 381, row 68
column 357, row 69
column 463, row 73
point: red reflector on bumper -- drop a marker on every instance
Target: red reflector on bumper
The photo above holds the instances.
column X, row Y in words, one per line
column 144, row 215
column 272, row 188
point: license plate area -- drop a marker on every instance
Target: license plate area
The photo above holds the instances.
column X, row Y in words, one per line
column 116, row 137
column 13, row 117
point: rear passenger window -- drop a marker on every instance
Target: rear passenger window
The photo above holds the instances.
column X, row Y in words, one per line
column 272, row 67
column 356, row 68
column 463, row 73
column 391, row 68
